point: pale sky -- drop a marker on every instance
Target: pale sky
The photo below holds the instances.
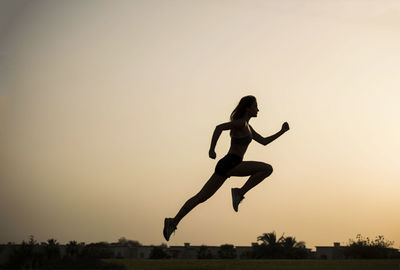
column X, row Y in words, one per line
column 107, row 109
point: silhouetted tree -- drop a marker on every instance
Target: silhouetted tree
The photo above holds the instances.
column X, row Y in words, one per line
column 294, row 249
column 130, row 243
column 22, row 256
column 227, row 252
column 269, row 239
column 73, row 249
column 272, row 247
column 31, row 255
column 52, row 249
column 290, row 242
column 364, row 248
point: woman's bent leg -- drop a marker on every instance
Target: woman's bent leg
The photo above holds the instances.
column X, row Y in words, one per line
column 212, row 185
column 254, row 180
column 258, row 171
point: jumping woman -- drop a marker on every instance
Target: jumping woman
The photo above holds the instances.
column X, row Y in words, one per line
column 232, row 164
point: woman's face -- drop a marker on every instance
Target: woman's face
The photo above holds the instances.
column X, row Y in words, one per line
column 253, row 109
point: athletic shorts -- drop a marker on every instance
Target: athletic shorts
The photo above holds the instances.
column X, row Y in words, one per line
column 227, row 163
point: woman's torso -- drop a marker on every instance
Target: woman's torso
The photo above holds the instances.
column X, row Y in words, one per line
column 239, row 145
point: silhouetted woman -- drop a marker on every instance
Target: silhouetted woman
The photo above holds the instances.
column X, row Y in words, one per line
column 232, row 164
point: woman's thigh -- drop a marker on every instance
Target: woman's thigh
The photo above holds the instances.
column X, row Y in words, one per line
column 246, row 168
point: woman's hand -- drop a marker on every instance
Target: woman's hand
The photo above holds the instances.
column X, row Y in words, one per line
column 285, row 127
column 212, row 154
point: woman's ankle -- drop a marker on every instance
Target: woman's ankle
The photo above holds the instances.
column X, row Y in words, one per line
column 241, row 193
column 174, row 222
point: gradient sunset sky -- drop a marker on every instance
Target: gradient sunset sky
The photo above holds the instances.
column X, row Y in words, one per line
column 107, row 109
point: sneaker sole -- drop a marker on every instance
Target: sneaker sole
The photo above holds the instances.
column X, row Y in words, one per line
column 164, row 230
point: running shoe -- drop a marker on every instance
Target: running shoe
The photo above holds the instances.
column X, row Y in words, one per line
column 236, row 198
column 169, row 228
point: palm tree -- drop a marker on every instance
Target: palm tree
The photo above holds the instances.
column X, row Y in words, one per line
column 271, row 246
column 282, row 247
column 269, row 239
column 290, row 242
column 293, row 249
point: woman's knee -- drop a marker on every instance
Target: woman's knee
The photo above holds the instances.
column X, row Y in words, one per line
column 267, row 169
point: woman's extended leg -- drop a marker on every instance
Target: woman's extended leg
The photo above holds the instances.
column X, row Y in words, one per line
column 212, row 185
column 258, row 171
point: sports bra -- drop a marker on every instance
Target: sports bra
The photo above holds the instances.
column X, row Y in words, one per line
column 242, row 140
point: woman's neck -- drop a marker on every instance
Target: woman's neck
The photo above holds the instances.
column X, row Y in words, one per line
column 246, row 118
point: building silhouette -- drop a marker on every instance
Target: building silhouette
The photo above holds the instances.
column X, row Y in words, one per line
column 335, row 252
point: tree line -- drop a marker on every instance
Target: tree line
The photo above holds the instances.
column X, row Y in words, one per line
column 270, row 246
column 47, row 255
column 364, row 248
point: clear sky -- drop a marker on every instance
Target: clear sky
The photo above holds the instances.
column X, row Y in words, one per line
column 107, row 109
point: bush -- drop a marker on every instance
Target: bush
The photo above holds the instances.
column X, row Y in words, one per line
column 364, row 248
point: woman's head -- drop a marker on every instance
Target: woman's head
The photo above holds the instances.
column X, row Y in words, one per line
column 246, row 104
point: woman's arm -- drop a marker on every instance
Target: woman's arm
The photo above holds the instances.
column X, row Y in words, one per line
column 218, row 130
column 267, row 140
column 215, row 137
